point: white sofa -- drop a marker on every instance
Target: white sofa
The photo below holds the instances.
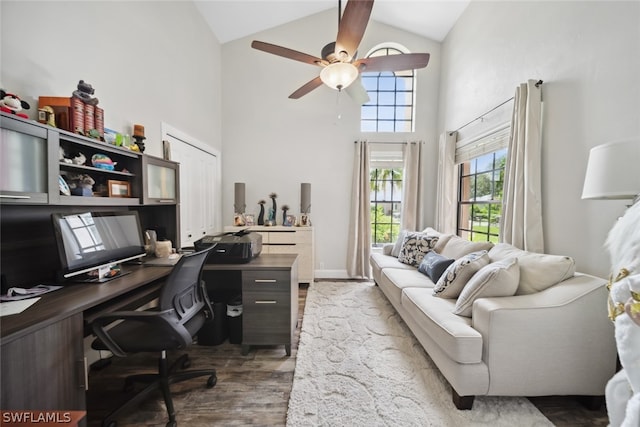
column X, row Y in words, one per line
column 552, row 337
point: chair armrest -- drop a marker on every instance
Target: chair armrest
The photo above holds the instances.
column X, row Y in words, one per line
column 165, row 320
column 549, row 336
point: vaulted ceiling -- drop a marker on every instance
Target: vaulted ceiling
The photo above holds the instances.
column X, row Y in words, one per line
column 234, row 19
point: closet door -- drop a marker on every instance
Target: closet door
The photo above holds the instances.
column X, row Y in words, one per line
column 200, row 186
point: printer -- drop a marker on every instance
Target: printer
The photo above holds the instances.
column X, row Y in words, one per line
column 232, row 247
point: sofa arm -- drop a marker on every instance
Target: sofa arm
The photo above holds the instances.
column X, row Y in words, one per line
column 557, row 341
column 387, row 248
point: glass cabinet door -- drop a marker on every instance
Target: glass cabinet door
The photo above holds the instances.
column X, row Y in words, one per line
column 161, row 180
column 23, row 163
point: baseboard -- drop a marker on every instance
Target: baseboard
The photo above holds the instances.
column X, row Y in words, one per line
column 330, row 274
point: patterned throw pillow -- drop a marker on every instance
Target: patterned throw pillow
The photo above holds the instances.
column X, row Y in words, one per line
column 458, row 274
column 415, row 246
column 433, row 265
column 499, row 279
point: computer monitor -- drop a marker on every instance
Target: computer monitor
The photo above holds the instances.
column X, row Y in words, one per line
column 92, row 244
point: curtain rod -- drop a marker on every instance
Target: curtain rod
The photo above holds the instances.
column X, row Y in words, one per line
column 538, row 83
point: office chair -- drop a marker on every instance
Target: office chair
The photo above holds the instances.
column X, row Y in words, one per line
column 183, row 309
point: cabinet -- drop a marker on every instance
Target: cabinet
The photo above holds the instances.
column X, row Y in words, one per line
column 279, row 239
column 25, row 166
column 161, row 181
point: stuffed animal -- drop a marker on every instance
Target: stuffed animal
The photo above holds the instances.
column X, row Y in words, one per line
column 10, row 103
column 623, row 389
column 84, row 92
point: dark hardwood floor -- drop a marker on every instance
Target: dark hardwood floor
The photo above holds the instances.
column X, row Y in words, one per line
column 252, row 390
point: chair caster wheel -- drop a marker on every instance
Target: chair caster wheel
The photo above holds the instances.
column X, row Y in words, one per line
column 212, row 381
column 186, row 363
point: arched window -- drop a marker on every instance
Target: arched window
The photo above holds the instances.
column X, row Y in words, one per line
column 391, row 96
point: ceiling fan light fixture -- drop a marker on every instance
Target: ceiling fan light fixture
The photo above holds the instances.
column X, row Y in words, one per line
column 339, row 75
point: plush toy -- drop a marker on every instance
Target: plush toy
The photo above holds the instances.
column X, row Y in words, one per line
column 623, row 389
column 84, row 92
column 10, row 103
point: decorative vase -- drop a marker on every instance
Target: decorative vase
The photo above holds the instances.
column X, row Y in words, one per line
column 274, row 208
column 261, row 214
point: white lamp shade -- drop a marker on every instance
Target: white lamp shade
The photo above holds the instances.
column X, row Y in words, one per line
column 613, row 171
column 339, row 75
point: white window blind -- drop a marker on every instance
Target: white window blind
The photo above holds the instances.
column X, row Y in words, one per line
column 487, row 142
column 387, row 156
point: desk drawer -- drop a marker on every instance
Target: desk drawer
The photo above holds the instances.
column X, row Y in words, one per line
column 266, row 280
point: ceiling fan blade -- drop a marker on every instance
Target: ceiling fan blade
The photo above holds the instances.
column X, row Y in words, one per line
column 357, row 92
column 400, row 62
column 287, row 53
column 352, row 25
column 306, row 88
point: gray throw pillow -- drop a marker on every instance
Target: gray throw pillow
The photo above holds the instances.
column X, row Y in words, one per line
column 433, row 265
column 398, row 245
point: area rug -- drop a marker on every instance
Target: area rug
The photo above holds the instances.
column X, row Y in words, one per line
column 358, row 364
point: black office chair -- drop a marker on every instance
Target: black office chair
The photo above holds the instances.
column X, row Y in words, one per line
column 183, row 309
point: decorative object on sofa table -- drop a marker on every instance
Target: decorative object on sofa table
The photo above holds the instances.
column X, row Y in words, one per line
column 249, row 219
column 239, row 204
column 284, row 208
column 305, row 203
column 273, row 210
column 138, row 135
column 102, row 161
column 10, row 103
column 261, row 214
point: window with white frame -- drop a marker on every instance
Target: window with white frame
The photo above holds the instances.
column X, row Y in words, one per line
column 391, row 96
column 481, row 161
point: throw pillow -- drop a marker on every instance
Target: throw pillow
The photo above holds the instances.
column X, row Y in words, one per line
column 458, row 274
column 398, row 245
column 414, row 246
column 499, row 279
column 433, row 265
column 457, row 247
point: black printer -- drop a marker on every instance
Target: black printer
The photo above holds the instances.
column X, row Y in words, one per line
column 232, row 247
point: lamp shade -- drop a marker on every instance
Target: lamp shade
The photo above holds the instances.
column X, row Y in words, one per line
column 613, row 171
column 338, row 75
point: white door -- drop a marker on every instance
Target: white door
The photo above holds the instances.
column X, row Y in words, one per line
column 200, row 185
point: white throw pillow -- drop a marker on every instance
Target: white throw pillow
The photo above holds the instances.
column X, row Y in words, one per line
column 414, row 246
column 458, row 274
column 457, row 247
column 537, row 271
column 398, row 245
column 499, row 279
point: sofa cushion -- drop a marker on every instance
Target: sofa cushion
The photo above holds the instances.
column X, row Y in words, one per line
column 414, row 246
column 379, row 261
column 537, row 271
column 458, row 274
column 394, row 280
column 454, row 334
column 498, row 279
column 457, row 247
column 433, row 265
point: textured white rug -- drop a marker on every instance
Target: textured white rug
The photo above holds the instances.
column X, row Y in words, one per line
column 359, row 365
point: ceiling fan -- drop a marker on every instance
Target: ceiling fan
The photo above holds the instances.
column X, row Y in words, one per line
column 340, row 68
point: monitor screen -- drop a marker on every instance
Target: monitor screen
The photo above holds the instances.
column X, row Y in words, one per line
column 90, row 240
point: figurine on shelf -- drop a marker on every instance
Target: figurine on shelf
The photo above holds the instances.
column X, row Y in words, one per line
column 138, row 135
column 284, row 208
column 10, row 103
column 85, row 92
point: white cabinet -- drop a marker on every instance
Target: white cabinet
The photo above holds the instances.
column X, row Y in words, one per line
column 278, row 239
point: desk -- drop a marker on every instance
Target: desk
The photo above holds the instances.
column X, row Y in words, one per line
column 269, row 286
column 42, row 353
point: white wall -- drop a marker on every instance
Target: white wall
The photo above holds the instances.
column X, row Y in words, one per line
column 149, row 62
column 273, row 143
column 587, row 53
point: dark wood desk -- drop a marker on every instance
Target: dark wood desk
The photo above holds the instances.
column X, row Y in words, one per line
column 269, row 286
column 42, row 352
